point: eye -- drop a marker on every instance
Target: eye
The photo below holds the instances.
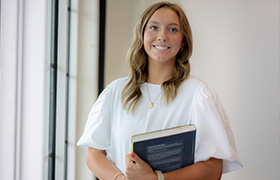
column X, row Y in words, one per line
column 153, row 27
column 173, row 30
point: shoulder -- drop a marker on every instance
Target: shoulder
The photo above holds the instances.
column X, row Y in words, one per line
column 115, row 87
column 117, row 83
column 192, row 83
column 193, row 80
column 111, row 93
column 197, row 87
column 203, row 91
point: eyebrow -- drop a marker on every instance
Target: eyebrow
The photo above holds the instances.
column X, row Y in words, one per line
column 155, row 22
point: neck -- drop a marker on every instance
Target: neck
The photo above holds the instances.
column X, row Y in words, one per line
column 158, row 73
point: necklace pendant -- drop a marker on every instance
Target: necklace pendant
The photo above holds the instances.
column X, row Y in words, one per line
column 151, row 105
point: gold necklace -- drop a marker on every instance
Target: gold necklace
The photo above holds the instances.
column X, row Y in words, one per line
column 151, row 102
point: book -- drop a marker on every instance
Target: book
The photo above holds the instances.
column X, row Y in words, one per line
column 166, row 150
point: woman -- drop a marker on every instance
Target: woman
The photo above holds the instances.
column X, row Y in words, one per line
column 158, row 94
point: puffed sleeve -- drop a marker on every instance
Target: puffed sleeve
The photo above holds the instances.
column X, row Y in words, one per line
column 214, row 134
column 97, row 132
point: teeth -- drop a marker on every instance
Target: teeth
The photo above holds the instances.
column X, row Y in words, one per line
column 161, row 48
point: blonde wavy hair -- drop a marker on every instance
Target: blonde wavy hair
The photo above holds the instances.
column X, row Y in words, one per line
column 137, row 59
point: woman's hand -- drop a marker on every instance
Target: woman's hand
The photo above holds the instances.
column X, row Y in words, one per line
column 138, row 169
column 122, row 177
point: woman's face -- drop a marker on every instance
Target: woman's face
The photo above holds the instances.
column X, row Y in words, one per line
column 163, row 36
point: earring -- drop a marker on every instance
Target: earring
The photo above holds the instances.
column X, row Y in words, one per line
column 181, row 49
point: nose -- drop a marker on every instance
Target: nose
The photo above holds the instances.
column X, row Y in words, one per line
column 162, row 36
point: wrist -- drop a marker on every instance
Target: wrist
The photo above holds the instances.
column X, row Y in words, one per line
column 118, row 176
column 160, row 175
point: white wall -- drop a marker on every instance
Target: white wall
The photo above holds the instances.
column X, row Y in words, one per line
column 8, row 90
column 87, row 78
column 236, row 50
column 25, row 54
column 23, row 57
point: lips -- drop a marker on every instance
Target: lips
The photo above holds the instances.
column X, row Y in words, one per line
column 161, row 47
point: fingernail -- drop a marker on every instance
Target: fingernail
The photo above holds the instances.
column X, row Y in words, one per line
column 132, row 154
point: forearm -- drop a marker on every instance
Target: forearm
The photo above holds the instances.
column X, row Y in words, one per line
column 210, row 170
column 102, row 167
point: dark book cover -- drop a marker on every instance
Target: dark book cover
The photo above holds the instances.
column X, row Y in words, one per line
column 166, row 150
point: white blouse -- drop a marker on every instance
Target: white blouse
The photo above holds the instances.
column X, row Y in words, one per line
column 109, row 127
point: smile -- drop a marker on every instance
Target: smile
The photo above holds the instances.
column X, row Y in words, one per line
column 161, row 47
